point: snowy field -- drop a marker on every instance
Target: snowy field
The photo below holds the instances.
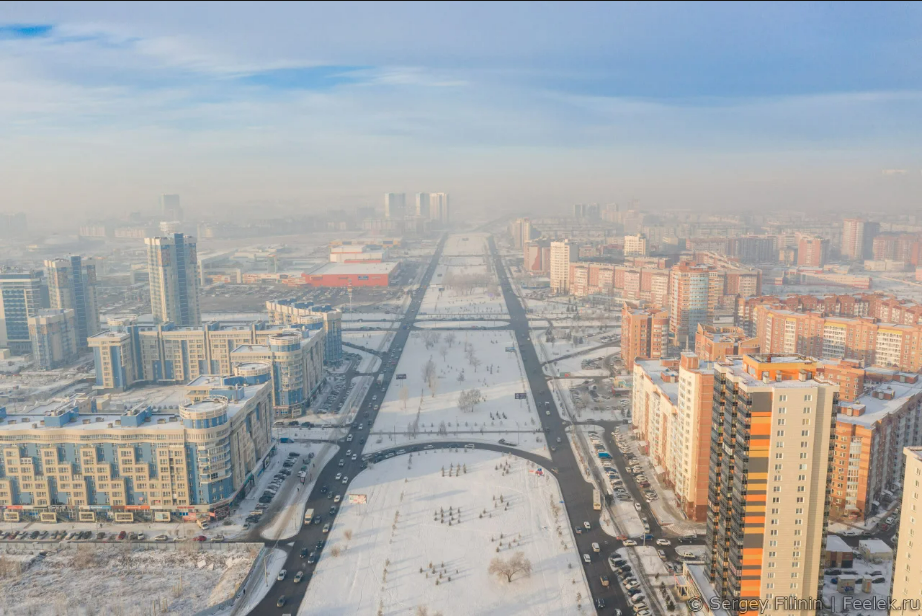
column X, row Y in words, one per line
column 452, row 324
column 435, row 414
column 464, row 282
column 376, row 341
column 87, row 579
column 361, row 317
column 574, row 365
column 425, row 539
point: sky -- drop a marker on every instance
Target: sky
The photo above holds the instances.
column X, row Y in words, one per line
column 507, row 106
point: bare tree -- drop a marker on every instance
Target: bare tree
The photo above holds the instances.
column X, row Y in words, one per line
column 469, row 399
column 404, row 395
column 431, row 338
column 428, row 370
column 450, row 338
column 509, row 568
column 443, row 351
column 433, row 384
column 475, row 361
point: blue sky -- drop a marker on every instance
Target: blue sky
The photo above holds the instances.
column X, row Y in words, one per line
column 727, row 105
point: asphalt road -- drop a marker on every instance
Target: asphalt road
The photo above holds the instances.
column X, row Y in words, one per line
column 310, row 535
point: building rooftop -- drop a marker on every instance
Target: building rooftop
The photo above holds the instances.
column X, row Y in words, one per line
column 345, row 269
column 878, row 403
column 656, row 370
column 835, row 543
column 65, row 417
column 875, row 546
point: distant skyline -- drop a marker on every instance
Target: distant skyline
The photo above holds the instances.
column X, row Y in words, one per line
column 104, row 107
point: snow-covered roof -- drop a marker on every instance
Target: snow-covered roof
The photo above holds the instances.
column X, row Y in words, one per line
column 874, row 546
column 835, row 543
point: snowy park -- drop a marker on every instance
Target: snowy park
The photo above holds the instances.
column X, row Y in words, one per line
column 463, row 532
column 464, row 282
column 458, row 385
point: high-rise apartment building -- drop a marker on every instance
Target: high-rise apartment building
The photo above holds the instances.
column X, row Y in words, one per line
column 562, row 254
column 172, row 264
column 395, row 205
column 870, row 435
column 521, row 232
column 695, row 292
column 422, row 205
column 53, row 334
column 671, row 411
column 811, row 251
column 714, row 342
column 858, row 238
column 907, row 568
column 20, row 298
column 290, row 312
column 438, row 208
column 635, row 245
column 72, row 285
column 644, row 334
column 170, row 209
column 771, row 450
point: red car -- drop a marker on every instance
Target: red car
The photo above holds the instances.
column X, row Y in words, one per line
column 122, row 535
column 201, row 538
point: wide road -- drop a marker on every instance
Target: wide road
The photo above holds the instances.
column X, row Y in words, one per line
column 321, row 496
column 577, row 492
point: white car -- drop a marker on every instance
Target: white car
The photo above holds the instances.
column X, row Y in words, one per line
column 586, row 558
column 587, row 526
column 338, row 477
column 631, row 584
column 663, row 542
column 282, row 575
column 628, row 543
column 345, row 480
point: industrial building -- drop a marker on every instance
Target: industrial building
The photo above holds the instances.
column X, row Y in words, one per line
column 352, row 274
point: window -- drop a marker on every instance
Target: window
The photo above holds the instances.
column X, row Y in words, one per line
column 781, row 421
column 808, row 397
column 777, row 467
column 783, row 398
column 779, row 433
column 801, row 478
column 775, row 499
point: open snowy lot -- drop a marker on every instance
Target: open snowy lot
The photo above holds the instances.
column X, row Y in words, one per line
column 117, row 579
column 427, row 535
column 464, row 282
column 421, row 408
column 438, row 323
column 374, row 340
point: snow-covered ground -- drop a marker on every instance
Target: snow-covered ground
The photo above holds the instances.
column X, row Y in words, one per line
column 464, row 282
column 369, row 362
column 361, row 317
column 376, row 340
column 426, row 538
column 498, row 378
column 451, row 324
column 574, row 365
column 120, row 579
column 880, row 592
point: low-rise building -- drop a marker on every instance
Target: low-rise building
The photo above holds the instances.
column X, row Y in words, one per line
column 137, row 462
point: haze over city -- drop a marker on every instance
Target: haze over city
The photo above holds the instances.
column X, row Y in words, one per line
column 508, row 106
column 460, row 309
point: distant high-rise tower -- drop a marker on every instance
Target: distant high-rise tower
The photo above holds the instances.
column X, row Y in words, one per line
column 438, row 207
column 172, row 264
column 170, row 208
column 395, row 205
column 54, row 338
column 72, row 285
column 20, row 298
column 562, row 254
column 422, row 205
column 858, row 238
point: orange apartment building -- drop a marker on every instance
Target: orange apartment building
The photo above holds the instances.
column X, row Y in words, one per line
column 714, row 342
column 644, row 334
column 870, row 435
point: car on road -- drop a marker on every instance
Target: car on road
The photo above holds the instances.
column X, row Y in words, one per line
column 628, row 543
column 345, row 480
column 281, row 601
column 587, row 526
column 428, row 447
column 299, row 576
column 600, row 602
column 305, row 552
column 338, row 477
column 595, row 547
column 587, row 558
column 201, row 538
column 637, row 506
column 337, row 498
column 312, row 559
column 161, row 538
column 579, row 530
column 604, row 580
column 281, row 575
column 355, row 457
column 663, row 542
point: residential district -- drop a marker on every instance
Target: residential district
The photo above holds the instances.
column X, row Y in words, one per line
column 390, row 410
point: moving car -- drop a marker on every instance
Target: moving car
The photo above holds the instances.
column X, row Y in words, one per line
column 281, row 575
column 587, row 558
column 299, row 576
